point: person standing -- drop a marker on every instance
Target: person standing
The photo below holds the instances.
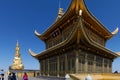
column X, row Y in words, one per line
column 25, row 76
column 2, row 76
column 13, row 76
column 9, row 76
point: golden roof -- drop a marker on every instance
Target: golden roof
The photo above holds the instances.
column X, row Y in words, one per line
column 73, row 10
column 78, row 10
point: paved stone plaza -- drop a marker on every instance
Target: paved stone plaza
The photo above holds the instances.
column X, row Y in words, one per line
column 44, row 78
column 39, row 78
column 32, row 78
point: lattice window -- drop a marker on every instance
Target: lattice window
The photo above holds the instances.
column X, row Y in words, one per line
column 99, row 63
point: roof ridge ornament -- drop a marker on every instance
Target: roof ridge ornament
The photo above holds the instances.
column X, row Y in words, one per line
column 32, row 53
column 59, row 4
column 80, row 12
column 118, row 53
column 60, row 12
column 17, row 44
column 115, row 31
column 38, row 34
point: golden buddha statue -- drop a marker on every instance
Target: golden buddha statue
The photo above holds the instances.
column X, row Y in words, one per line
column 17, row 62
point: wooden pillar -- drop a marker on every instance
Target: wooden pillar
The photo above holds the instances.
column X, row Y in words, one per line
column 103, row 65
column 40, row 68
column 110, row 63
column 43, row 67
column 58, row 66
column 94, row 64
column 107, row 66
column 76, row 62
column 86, row 64
column 111, row 66
column 66, row 64
column 48, row 68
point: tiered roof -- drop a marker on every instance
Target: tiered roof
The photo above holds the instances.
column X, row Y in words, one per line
column 79, row 10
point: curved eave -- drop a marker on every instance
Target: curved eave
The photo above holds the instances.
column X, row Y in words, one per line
column 32, row 53
column 115, row 31
column 118, row 53
column 93, row 43
column 70, row 38
column 89, row 16
column 104, row 30
column 39, row 35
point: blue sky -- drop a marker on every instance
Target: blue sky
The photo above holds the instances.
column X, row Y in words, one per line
column 19, row 19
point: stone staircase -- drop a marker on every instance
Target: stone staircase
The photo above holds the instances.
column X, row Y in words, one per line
column 96, row 76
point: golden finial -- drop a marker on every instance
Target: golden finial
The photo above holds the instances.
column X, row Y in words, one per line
column 17, row 46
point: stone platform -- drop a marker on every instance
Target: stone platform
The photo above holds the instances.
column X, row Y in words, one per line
column 96, row 76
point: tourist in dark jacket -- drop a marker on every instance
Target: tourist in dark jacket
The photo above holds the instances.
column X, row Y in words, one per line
column 9, row 76
column 13, row 76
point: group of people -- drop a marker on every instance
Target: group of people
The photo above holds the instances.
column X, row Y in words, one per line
column 12, row 76
column 2, row 76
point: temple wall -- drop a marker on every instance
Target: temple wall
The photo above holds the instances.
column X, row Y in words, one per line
column 92, row 63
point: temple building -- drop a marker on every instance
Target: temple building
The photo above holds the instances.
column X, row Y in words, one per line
column 75, row 43
column 17, row 62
